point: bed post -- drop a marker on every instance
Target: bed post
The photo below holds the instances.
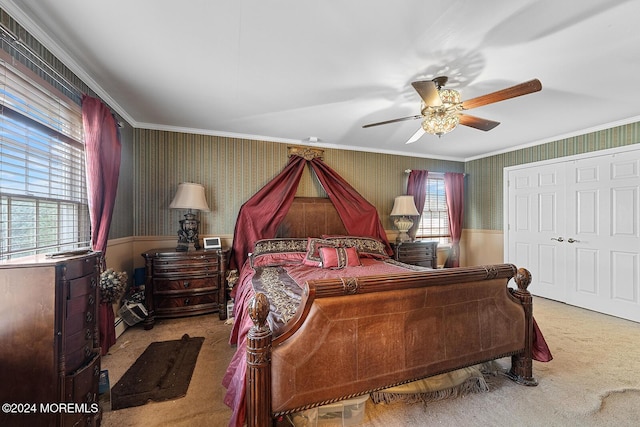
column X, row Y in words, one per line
column 522, row 364
column 259, row 340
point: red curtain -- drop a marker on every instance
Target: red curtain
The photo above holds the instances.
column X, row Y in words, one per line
column 417, row 187
column 102, row 157
column 360, row 217
column 260, row 216
column 454, row 191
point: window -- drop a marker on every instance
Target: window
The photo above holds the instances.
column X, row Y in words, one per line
column 434, row 223
column 43, row 195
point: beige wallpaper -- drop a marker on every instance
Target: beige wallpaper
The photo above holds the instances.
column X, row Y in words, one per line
column 232, row 170
column 484, row 191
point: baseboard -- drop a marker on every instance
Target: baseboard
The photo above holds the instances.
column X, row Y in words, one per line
column 120, row 325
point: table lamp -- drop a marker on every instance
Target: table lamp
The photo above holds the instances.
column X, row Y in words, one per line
column 404, row 207
column 189, row 196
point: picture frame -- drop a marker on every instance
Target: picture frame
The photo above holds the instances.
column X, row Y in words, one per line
column 211, row 242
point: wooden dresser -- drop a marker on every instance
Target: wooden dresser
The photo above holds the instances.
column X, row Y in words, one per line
column 184, row 283
column 421, row 253
column 50, row 356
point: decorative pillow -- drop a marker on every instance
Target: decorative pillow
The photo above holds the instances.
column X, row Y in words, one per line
column 312, row 257
column 274, row 252
column 339, row 258
column 368, row 247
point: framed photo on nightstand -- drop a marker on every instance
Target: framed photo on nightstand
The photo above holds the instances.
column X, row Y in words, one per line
column 212, row 242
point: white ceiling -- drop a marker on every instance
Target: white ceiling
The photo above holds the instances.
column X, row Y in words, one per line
column 287, row 70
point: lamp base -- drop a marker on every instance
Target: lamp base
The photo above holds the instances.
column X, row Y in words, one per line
column 403, row 237
column 403, row 224
column 188, row 234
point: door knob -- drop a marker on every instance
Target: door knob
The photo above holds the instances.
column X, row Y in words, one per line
column 570, row 240
column 559, row 239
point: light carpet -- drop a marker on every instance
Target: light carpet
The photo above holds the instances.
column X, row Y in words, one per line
column 593, row 380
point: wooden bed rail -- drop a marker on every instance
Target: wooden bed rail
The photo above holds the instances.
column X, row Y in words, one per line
column 261, row 341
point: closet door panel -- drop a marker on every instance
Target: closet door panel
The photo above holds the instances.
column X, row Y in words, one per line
column 535, row 223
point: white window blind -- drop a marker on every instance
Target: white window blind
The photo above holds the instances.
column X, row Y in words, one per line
column 434, row 223
column 43, row 202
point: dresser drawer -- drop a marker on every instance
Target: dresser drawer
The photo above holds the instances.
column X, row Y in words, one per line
column 186, row 301
column 79, row 348
column 80, row 267
column 180, row 266
column 429, row 263
column 185, row 284
column 79, row 357
column 422, row 251
column 80, row 304
column 82, row 286
column 82, row 385
column 80, row 321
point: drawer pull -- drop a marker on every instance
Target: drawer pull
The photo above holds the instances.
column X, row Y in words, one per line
column 94, row 283
column 96, row 371
column 186, row 284
column 91, row 300
column 87, row 351
column 87, row 334
column 186, row 301
column 89, row 397
column 89, row 317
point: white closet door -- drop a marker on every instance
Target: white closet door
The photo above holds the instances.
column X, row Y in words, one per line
column 576, row 226
column 603, row 245
column 536, row 227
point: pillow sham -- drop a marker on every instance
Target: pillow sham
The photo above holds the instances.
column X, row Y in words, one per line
column 312, row 256
column 339, row 258
column 368, row 247
column 274, row 252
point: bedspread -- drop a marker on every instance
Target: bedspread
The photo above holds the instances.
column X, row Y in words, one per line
column 283, row 285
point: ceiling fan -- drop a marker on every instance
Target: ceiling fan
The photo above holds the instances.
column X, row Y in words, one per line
column 441, row 109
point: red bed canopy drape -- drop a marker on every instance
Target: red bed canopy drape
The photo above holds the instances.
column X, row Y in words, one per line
column 261, row 215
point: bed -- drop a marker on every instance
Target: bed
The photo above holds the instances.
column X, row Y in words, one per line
column 372, row 323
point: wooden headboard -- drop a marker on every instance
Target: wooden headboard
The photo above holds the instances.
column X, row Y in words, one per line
column 311, row 217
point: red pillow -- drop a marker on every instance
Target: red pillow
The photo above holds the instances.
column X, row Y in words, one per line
column 339, row 258
column 312, row 257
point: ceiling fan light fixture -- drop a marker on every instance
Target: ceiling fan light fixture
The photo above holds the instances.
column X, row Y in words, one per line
column 449, row 97
column 442, row 119
column 441, row 109
column 439, row 122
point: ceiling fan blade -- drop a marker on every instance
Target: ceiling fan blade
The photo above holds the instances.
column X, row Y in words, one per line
column 428, row 92
column 501, row 95
column 418, row 116
column 416, row 136
column 477, row 122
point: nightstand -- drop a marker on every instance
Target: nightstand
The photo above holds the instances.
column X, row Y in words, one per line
column 421, row 253
column 184, row 283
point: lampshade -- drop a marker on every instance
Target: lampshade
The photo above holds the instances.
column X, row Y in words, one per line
column 404, row 206
column 190, row 196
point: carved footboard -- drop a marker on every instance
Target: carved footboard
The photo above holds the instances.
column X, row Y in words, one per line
column 352, row 336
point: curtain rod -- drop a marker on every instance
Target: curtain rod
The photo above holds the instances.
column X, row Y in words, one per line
column 29, row 55
column 408, row 171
